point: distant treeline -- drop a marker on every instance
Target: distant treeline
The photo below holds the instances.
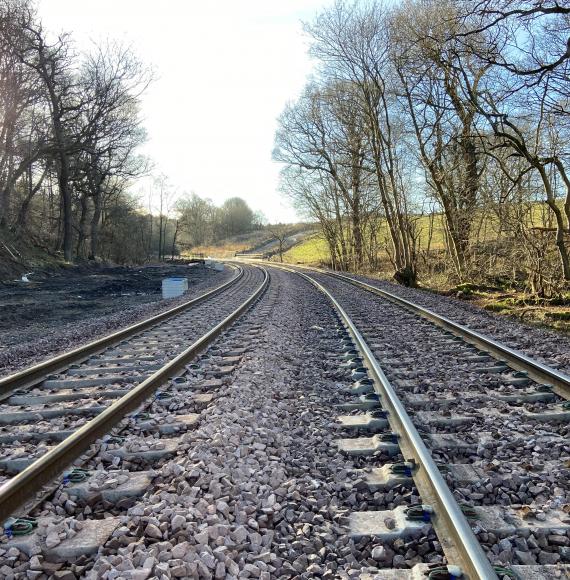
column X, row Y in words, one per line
column 201, row 222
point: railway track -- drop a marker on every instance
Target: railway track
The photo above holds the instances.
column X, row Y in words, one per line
column 48, row 420
column 451, row 412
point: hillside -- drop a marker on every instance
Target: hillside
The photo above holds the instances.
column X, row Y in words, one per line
column 18, row 256
column 313, row 248
column 260, row 241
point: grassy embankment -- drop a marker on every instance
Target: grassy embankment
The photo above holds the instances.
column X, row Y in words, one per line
column 512, row 301
column 252, row 242
column 314, row 250
column 229, row 247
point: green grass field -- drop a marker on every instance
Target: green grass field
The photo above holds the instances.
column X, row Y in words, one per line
column 314, row 249
column 485, row 226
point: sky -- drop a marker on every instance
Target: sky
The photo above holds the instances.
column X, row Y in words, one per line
column 224, row 71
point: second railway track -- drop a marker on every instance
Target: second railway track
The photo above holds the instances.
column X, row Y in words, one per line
column 53, row 410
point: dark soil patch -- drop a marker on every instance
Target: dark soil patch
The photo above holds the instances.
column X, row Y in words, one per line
column 85, row 294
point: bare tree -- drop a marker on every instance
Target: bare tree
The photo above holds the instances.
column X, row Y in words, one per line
column 196, row 217
column 352, row 43
column 23, row 131
column 53, row 62
column 523, row 100
column 280, row 232
column 114, row 79
column 443, row 116
column 164, row 195
column 316, row 197
column 320, row 134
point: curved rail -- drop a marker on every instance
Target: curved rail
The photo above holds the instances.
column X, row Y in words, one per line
column 19, row 489
column 456, row 537
column 34, row 374
column 536, row 370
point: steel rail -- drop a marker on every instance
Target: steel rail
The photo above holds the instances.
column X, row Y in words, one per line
column 32, row 375
column 539, row 372
column 453, row 530
column 20, row 488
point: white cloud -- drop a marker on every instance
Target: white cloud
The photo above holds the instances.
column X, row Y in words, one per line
column 225, row 69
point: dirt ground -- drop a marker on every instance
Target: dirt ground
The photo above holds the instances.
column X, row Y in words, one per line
column 78, row 297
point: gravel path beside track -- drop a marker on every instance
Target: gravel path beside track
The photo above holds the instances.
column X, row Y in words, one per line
column 263, row 492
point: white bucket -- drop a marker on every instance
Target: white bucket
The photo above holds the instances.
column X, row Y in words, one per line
column 174, row 287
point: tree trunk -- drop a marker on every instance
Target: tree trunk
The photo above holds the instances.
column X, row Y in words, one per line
column 65, row 192
column 560, row 225
column 80, row 246
column 3, row 207
column 149, row 250
column 23, row 212
column 164, row 237
column 339, row 225
column 405, row 272
column 357, row 235
column 95, row 226
column 9, row 185
column 160, row 238
column 174, row 239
